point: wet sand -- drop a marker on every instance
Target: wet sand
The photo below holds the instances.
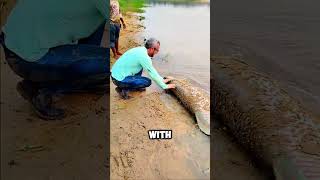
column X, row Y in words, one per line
column 133, row 154
column 230, row 161
column 73, row 148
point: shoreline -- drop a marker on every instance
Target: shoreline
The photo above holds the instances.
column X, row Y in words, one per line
column 153, row 109
column 187, row 155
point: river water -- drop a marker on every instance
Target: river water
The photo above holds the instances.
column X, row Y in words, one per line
column 184, row 32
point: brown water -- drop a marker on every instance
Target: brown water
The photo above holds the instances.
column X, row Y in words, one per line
column 280, row 38
column 184, row 32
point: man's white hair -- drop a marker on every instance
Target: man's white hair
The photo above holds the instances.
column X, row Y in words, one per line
column 151, row 42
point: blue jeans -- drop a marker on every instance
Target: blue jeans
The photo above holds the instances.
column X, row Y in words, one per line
column 114, row 33
column 133, row 82
column 65, row 66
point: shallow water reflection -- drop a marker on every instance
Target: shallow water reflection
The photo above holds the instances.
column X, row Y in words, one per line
column 184, row 33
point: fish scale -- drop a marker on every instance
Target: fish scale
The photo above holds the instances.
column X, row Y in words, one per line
column 196, row 100
column 266, row 120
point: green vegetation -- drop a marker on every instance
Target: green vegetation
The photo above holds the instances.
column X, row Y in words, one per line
column 178, row 2
column 138, row 5
column 132, row 5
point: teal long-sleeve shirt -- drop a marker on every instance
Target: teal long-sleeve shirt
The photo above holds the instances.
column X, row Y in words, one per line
column 133, row 61
column 35, row 26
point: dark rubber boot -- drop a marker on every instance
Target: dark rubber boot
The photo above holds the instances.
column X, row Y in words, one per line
column 27, row 89
column 123, row 93
column 141, row 89
column 41, row 101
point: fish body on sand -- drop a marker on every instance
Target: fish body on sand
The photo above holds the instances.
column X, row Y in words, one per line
column 196, row 100
column 279, row 131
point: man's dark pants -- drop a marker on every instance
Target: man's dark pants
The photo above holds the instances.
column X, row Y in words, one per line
column 64, row 69
column 114, row 34
column 67, row 67
column 132, row 83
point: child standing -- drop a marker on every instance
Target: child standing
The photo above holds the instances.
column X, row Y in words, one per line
column 115, row 24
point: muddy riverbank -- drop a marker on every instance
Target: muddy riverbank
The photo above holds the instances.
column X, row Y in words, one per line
column 187, row 156
column 133, row 154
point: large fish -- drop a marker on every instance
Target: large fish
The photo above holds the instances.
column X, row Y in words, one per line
column 266, row 120
column 196, row 100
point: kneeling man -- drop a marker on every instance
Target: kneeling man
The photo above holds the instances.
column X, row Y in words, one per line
column 127, row 70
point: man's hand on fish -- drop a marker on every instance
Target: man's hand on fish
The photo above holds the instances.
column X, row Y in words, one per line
column 167, row 79
column 171, row 86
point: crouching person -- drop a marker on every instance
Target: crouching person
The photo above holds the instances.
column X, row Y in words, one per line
column 126, row 73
